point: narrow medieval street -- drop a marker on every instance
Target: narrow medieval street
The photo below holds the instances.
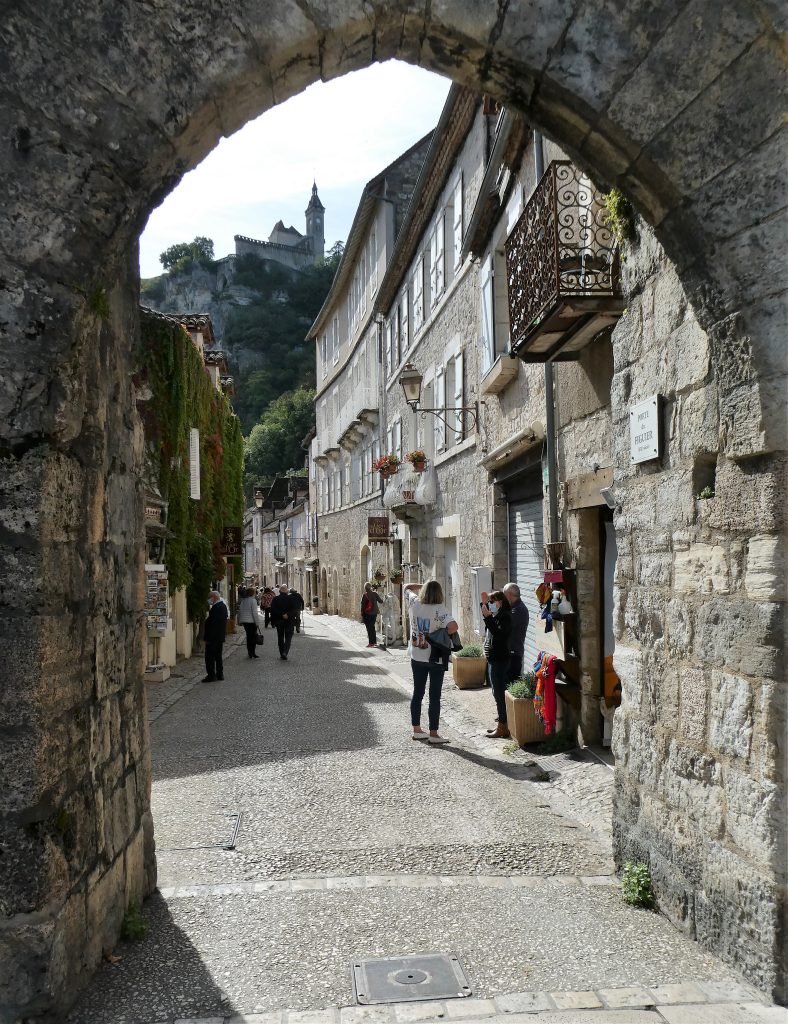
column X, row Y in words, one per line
column 354, row 842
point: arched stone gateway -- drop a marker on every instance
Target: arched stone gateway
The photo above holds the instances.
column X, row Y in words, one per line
column 105, row 106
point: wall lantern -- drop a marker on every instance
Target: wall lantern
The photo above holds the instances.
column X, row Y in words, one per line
column 259, row 497
column 411, row 381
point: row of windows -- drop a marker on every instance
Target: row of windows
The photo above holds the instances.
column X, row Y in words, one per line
column 434, row 268
column 362, row 290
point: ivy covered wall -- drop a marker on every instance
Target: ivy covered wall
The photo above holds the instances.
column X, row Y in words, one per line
column 182, row 397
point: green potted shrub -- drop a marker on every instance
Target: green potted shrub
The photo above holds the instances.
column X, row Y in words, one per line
column 468, row 666
column 523, row 723
column 396, row 575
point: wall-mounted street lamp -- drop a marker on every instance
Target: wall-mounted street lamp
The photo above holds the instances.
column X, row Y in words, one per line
column 411, row 381
column 259, row 497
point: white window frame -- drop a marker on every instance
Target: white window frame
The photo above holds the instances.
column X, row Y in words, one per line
column 373, row 260
column 324, row 355
column 335, row 339
column 487, row 315
column 440, row 403
column 437, row 255
column 418, row 295
column 404, row 321
column 457, row 222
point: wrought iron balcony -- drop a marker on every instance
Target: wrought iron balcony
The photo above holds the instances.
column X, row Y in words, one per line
column 280, row 554
column 562, row 268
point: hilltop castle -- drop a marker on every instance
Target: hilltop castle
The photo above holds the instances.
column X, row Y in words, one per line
column 287, row 245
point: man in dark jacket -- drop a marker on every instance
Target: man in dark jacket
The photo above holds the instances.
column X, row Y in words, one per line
column 283, row 612
column 298, row 607
column 519, row 629
column 215, row 630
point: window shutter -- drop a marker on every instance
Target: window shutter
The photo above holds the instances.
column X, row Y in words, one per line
column 440, row 403
column 404, row 324
column 487, row 336
column 194, row 463
column 459, row 394
column 458, row 223
column 439, row 255
column 418, row 295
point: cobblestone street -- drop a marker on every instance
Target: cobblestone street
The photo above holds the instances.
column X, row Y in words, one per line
column 354, row 842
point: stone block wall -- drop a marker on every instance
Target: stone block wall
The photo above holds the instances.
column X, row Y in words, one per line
column 76, row 836
column 700, row 739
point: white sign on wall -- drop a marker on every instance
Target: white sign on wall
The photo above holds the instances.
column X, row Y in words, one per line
column 194, row 463
column 645, row 430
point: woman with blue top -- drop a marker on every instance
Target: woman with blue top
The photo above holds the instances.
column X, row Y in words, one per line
column 427, row 614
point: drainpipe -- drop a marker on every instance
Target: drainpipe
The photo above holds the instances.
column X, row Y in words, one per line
column 552, row 474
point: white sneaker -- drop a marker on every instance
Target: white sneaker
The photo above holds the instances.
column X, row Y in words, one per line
column 420, row 735
column 437, row 739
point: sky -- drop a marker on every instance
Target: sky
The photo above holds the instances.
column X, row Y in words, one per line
column 339, row 133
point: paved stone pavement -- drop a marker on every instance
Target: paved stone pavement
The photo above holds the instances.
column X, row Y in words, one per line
column 353, row 841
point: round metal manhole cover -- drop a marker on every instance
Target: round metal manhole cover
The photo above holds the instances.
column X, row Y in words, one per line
column 411, row 977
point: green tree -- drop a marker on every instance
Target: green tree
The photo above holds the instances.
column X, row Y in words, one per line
column 183, row 255
column 274, row 444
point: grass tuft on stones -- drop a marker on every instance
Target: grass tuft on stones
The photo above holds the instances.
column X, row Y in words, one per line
column 620, row 216
column 636, row 887
column 134, row 927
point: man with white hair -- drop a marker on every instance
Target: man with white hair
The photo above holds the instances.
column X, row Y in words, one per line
column 519, row 629
column 214, row 634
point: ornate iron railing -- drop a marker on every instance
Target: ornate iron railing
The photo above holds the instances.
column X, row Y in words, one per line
column 560, row 253
column 280, row 554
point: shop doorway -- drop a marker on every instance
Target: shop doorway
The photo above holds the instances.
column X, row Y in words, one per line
column 526, row 564
column 610, row 683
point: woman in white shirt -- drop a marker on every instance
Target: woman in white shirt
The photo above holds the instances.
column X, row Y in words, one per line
column 427, row 614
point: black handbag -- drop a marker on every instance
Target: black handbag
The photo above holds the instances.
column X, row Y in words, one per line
column 259, row 639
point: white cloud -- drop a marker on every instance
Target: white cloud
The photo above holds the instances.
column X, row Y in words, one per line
column 341, row 133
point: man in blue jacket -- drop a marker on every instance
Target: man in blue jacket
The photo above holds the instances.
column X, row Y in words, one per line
column 215, row 631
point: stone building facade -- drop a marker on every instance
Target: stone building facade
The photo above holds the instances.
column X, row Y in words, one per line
column 676, row 598
column 344, row 490
column 701, row 156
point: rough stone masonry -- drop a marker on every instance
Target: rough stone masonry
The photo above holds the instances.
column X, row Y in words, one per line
column 104, row 107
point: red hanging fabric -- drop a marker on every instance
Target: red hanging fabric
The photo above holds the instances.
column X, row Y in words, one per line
column 545, row 699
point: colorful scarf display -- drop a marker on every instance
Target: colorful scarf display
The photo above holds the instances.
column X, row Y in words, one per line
column 545, row 699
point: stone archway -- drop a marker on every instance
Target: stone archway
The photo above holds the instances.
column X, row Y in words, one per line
column 678, row 104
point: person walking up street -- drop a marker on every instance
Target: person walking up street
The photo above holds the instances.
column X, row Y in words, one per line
column 283, row 617
column 248, row 617
column 519, row 629
column 370, row 604
column 497, row 636
column 427, row 614
column 265, row 605
column 298, row 607
column 215, row 631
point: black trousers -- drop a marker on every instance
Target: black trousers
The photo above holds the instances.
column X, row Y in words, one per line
column 498, row 676
column 515, row 667
column 250, row 628
column 214, row 668
column 369, row 622
column 284, row 634
column 423, row 670
column 267, row 617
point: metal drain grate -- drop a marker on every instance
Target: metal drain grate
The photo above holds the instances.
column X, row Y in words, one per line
column 405, row 979
column 187, row 833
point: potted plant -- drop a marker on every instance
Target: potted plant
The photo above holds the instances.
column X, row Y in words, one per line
column 386, row 465
column 418, row 460
column 468, row 666
column 524, row 725
column 396, row 574
column 379, row 575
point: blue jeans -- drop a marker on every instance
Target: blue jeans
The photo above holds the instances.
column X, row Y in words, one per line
column 498, row 675
column 423, row 670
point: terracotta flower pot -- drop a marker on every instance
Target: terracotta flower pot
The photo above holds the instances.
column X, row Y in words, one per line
column 521, row 718
column 468, row 672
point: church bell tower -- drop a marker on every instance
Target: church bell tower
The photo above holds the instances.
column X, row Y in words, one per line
column 315, row 225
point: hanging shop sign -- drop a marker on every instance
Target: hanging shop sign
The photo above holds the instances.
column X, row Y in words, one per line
column 645, row 430
column 377, row 527
column 232, row 540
